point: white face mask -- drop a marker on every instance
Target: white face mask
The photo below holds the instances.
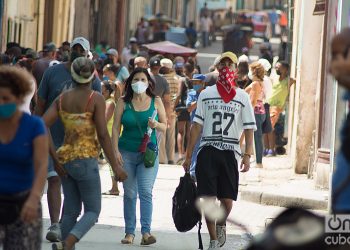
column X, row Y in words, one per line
column 139, row 87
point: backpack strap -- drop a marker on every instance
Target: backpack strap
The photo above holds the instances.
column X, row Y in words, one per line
column 200, row 242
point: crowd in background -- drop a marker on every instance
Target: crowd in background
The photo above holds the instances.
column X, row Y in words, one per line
column 78, row 92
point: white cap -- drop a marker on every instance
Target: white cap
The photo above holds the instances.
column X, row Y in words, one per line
column 265, row 63
column 112, row 52
column 167, row 63
column 82, row 41
column 243, row 58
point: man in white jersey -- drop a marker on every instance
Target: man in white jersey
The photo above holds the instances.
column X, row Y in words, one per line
column 224, row 111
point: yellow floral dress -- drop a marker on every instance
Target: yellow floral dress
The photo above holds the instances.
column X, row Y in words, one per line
column 80, row 141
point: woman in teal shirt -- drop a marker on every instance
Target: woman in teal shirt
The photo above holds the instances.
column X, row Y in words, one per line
column 133, row 113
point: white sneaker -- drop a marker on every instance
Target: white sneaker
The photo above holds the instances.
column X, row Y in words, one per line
column 214, row 244
column 54, row 233
column 221, row 234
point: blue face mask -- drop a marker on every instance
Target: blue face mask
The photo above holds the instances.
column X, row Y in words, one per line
column 197, row 87
column 105, row 78
column 7, row 110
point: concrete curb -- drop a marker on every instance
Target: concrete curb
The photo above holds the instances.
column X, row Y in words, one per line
column 272, row 199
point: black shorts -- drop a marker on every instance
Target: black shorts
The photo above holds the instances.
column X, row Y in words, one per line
column 217, row 173
column 267, row 126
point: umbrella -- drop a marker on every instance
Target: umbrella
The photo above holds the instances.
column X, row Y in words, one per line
column 167, row 47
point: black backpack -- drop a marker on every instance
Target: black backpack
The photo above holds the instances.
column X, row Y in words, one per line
column 185, row 213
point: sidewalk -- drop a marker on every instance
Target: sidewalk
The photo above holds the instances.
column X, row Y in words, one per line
column 276, row 184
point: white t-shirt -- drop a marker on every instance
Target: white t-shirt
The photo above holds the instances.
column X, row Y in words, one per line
column 267, row 87
column 223, row 123
column 25, row 107
column 206, row 23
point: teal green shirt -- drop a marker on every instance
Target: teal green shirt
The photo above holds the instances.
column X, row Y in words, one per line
column 131, row 138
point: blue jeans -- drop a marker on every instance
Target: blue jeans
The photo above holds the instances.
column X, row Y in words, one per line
column 140, row 181
column 82, row 186
column 258, row 137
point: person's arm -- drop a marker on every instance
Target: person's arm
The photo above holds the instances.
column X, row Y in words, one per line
column 291, row 82
column 43, row 93
column 117, row 128
column 245, row 163
column 50, row 117
column 195, row 132
column 40, row 160
column 110, row 107
column 160, row 125
column 103, row 137
column 167, row 103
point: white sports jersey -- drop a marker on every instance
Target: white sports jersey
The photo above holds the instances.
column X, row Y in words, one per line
column 223, row 123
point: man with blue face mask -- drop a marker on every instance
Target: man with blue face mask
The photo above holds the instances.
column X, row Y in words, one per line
column 56, row 80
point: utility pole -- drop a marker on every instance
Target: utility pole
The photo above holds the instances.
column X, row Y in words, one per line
column 121, row 23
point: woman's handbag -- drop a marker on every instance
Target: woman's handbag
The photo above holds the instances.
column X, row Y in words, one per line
column 150, row 156
column 150, row 153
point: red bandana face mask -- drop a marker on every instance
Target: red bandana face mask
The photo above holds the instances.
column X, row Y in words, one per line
column 226, row 84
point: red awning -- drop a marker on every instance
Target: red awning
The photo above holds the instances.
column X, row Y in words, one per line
column 167, row 47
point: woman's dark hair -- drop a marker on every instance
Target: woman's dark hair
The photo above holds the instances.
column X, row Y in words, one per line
column 108, row 86
column 129, row 92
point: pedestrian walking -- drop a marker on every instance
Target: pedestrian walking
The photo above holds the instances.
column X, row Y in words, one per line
column 280, row 91
column 205, row 24
column 107, row 90
column 197, row 85
column 167, row 143
column 191, row 34
column 40, row 65
column 82, row 112
column 257, row 97
column 23, row 157
column 56, row 80
column 183, row 116
column 242, row 72
column 130, row 52
column 113, row 58
column 340, row 68
column 266, row 126
column 273, row 16
column 133, row 112
column 223, row 112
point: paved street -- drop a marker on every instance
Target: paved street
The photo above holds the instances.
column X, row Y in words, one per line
column 109, row 230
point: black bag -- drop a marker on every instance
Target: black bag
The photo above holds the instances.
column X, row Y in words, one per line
column 11, row 207
column 184, row 211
